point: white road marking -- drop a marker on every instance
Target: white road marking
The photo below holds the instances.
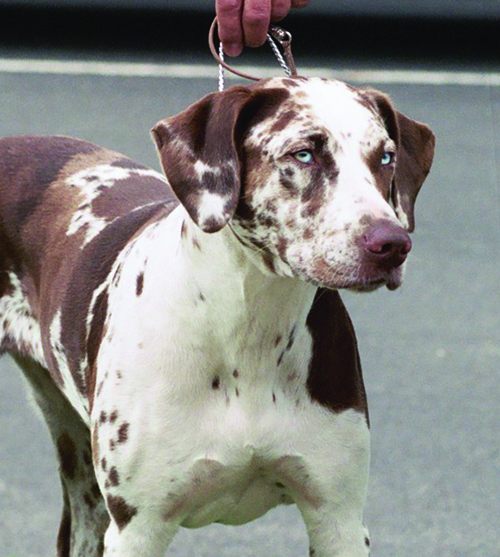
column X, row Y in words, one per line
column 209, row 71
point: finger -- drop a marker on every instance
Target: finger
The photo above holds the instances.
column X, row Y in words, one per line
column 256, row 19
column 229, row 14
column 300, row 3
column 280, row 9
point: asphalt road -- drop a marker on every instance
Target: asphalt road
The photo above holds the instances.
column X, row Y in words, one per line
column 430, row 351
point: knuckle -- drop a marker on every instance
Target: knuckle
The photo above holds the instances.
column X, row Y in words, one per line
column 257, row 17
column 229, row 8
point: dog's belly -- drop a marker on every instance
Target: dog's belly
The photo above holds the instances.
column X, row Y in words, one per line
column 197, row 458
column 217, row 464
column 250, row 462
column 226, row 493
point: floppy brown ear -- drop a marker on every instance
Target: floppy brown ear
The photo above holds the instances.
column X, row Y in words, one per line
column 415, row 152
column 199, row 156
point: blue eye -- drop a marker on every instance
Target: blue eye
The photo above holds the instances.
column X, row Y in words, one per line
column 387, row 158
column 305, row 156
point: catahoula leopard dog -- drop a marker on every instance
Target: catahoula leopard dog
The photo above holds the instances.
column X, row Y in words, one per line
column 183, row 335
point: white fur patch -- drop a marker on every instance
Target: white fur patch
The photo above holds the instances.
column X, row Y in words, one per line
column 90, row 182
column 212, row 206
column 17, row 321
column 202, row 168
column 79, row 402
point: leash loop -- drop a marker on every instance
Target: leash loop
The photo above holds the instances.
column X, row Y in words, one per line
column 284, row 38
column 274, row 35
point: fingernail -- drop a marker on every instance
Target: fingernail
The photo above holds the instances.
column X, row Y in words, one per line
column 232, row 49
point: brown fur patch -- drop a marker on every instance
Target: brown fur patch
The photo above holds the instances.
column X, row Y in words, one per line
column 66, row 449
column 120, row 510
column 123, row 432
column 335, row 378
column 113, row 476
column 283, row 120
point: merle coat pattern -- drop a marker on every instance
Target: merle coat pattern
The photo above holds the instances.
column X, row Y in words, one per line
column 184, row 336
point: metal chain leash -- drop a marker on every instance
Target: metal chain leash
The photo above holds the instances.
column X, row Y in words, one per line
column 279, row 56
column 221, row 68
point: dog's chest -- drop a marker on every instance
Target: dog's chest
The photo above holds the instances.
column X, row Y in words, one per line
column 208, row 379
column 214, row 426
column 210, row 345
column 193, row 314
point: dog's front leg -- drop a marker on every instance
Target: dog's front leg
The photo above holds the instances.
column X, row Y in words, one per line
column 130, row 481
column 143, row 537
column 334, row 478
column 333, row 535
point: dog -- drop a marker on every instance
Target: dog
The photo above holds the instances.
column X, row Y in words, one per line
column 184, row 336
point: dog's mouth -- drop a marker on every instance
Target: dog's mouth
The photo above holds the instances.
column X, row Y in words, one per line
column 360, row 285
column 391, row 283
column 362, row 282
column 370, row 281
column 356, row 278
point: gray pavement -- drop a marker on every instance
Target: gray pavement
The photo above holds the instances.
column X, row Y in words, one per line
column 430, row 351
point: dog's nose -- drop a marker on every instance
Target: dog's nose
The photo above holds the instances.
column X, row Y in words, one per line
column 387, row 243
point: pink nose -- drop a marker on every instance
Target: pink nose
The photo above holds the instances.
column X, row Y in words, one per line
column 387, row 244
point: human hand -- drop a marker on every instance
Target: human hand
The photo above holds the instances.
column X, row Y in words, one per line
column 245, row 22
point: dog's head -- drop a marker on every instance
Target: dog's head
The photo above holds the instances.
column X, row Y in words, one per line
column 317, row 178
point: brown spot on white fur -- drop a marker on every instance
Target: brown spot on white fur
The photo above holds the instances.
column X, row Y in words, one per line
column 123, row 432
column 113, row 477
column 120, row 510
column 67, row 451
column 139, row 284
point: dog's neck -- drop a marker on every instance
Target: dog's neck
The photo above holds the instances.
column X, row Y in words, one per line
column 230, row 282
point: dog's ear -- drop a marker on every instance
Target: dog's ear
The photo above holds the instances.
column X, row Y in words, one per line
column 199, row 156
column 415, row 152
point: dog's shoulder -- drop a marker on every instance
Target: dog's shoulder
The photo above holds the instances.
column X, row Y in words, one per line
column 55, row 187
column 29, row 165
column 67, row 209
